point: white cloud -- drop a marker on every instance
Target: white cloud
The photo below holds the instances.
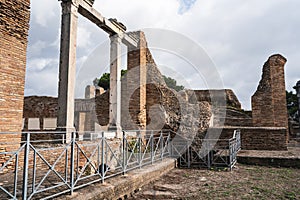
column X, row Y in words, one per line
column 238, row 35
column 43, row 11
column 39, row 64
column 83, row 37
column 36, row 48
column 41, row 77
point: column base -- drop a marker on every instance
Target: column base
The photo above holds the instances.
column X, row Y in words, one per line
column 117, row 129
column 67, row 136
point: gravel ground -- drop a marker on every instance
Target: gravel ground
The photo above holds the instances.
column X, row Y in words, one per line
column 243, row 182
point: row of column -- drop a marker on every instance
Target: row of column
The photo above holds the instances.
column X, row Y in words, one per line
column 67, row 72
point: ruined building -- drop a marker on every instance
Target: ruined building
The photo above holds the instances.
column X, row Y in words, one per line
column 269, row 101
column 146, row 102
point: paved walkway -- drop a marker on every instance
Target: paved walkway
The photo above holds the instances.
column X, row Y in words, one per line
column 123, row 186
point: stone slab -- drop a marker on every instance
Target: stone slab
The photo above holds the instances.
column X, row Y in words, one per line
column 122, row 186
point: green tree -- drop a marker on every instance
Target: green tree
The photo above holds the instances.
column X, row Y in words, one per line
column 104, row 80
column 172, row 83
column 292, row 103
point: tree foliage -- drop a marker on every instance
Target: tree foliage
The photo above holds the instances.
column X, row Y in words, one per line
column 292, row 103
column 104, row 80
column 172, row 83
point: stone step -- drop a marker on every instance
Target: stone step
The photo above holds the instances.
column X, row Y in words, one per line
column 158, row 195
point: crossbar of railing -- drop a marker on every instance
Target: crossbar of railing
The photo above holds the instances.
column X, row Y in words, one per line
column 65, row 167
column 58, row 166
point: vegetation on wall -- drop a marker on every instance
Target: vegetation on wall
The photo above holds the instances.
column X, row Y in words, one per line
column 292, row 104
column 104, row 81
column 172, row 83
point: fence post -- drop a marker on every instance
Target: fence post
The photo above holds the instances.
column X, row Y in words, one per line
column 188, row 154
column 169, row 144
column 72, row 162
column 230, row 153
column 25, row 167
column 161, row 145
column 152, row 145
column 140, row 149
column 123, row 154
column 102, row 158
column 208, row 154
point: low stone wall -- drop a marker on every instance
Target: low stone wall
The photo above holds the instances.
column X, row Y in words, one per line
column 268, row 161
column 257, row 138
column 122, row 186
column 230, row 121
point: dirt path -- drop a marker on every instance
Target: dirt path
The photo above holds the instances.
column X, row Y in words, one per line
column 244, row 182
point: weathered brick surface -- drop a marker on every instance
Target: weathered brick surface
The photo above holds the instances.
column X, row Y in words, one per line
column 14, row 25
column 212, row 95
column 256, row 138
column 269, row 100
column 270, row 161
column 134, row 88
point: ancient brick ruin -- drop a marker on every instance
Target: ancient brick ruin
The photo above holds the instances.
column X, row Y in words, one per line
column 146, row 103
column 269, row 100
column 14, row 25
column 168, row 109
column 161, row 108
column 140, row 100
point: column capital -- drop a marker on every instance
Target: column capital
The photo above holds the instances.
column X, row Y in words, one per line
column 70, row 6
column 116, row 38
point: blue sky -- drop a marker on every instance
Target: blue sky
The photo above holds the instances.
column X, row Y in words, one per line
column 238, row 36
column 185, row 5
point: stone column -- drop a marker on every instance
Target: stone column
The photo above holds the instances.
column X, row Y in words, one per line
column 67, row 67
column 297, row 88
column 115, row 84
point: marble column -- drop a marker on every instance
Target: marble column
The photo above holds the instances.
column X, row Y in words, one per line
column 67, row 67
column 115, row 84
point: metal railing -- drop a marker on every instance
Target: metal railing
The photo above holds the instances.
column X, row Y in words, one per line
column 208, row 153
column 43, row 169
column 44, row 166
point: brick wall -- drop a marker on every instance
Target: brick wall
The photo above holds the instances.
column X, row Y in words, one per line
column 269, row 100
column 256, row 138
column 226, row 95
column 14, row 25
column 134, row 86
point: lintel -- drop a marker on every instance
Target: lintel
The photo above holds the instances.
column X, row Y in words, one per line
column 86, row 10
